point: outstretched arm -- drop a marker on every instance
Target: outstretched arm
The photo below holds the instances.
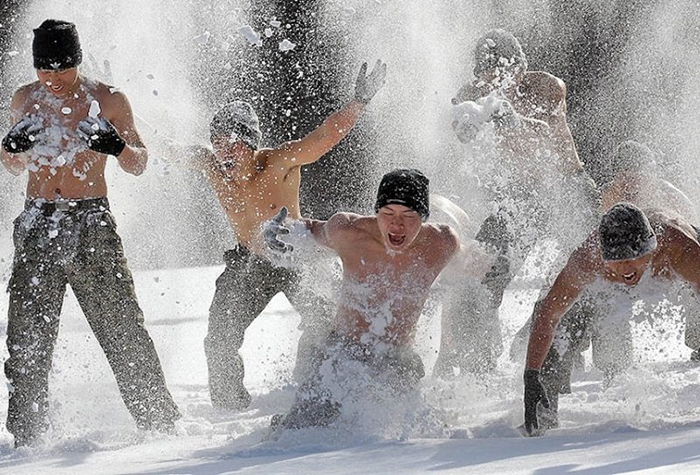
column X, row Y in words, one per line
column 567, row 287
column 317, row 143
column 335, row 128
column 335, row 233
column 563, row 141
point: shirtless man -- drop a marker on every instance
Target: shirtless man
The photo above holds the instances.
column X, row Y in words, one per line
column 66, row 128
column 535, row 149
column 633, row 177
column 628, row 244
column 252, row 185
column 389, row 263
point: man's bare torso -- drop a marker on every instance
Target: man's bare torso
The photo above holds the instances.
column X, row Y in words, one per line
column 383, row 293
column 251, row 199
column 60, row 164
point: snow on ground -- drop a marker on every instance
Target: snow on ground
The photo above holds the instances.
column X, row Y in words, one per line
column 647, row 421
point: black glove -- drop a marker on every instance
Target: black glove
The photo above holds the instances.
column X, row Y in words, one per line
column 101, row 136
column 534, row 394
column 21, row 136
column 273, row 229
column 367, row 86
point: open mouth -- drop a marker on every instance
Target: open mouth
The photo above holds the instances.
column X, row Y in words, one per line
column 396, row 239
column 54, row 87
column 629, row 277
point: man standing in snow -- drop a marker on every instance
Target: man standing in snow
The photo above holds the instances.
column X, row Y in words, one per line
column 252, row 185
column 629, row 245
column 536, row 154
column 65, row 128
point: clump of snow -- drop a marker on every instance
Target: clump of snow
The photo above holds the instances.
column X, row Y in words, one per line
column 251, row 35
column 94, row 109
column 66, row 110
column 470, row 117
column 286, row 45
column 203, row 38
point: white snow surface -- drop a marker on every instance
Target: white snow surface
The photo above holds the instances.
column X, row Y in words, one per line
column 647, row 421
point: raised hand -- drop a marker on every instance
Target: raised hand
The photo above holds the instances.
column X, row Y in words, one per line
column 535, row 394
column 273, row 228
column 101, row 136
column 22, row 136
column 366, row 86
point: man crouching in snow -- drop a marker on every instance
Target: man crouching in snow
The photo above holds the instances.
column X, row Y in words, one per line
column 389, row 262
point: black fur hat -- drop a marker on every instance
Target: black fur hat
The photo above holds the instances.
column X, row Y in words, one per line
column 625, row 233
column 56, row 46
column 408, row 187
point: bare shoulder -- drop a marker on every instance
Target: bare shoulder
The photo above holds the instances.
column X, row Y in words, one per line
column 351, row 222
column 546, row 85
column 587, row 257
column 443, row 235
column 106, row 95
column 22, row 95
column 675, row 234
column 200, row 157
column 347, row 228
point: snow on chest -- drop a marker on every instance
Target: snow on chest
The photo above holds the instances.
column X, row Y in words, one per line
column 58, row 143
column 652, row 297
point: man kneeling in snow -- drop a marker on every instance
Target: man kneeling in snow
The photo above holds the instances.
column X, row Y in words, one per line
column 629, row 245
column 389, row 263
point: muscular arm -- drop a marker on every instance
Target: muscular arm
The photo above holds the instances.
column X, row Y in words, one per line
column 568, row 285
column 317, row 143
column 14, row 163
column 562, row 139
column 337, row 232
column 134, row 157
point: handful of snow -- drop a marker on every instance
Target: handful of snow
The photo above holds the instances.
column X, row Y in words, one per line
column 469, row 118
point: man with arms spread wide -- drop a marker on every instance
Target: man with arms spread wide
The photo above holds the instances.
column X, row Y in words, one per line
column 390, row 261
column 252, row 185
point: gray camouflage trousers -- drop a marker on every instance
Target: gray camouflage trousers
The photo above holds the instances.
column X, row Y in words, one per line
column 243, row 290
column 76, row 243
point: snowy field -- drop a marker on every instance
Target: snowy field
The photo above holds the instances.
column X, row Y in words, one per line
column 647, row 421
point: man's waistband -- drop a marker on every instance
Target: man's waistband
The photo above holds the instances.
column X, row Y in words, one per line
column 67, row 206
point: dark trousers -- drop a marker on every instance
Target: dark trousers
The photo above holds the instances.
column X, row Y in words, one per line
column 243, row 290
column 77, row 245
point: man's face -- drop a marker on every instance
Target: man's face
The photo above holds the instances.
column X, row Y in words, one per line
column 231, row 149
column 59, row 82
column 627, row 271
column 399, row 226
